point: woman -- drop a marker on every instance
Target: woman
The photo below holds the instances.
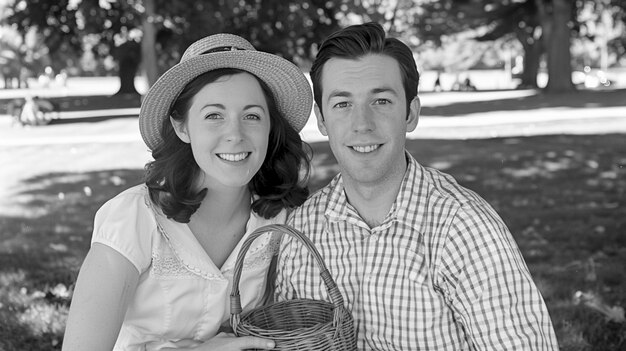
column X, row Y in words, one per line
column 223, row 129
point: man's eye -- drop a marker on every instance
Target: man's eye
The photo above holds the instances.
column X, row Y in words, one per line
column 382, row 102
column 342, row 104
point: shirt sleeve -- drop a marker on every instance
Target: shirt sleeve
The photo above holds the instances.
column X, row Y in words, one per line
column 274, row 244
column 126, row 224
column 283, row 289
column 486, row 283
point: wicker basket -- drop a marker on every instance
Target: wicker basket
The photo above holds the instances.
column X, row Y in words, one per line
column 300, row 324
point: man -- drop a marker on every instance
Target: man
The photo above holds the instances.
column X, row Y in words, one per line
column 422, row 263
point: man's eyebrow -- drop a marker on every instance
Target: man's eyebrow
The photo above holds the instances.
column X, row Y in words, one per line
column 384, row 90
column 339, row 93
column 343, row 93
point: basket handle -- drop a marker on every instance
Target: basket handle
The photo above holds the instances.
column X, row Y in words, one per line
column 331, row 286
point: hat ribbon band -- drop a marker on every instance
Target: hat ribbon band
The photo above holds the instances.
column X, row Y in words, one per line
column 222, row 48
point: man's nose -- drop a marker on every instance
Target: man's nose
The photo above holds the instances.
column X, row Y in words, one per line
column 363, row 119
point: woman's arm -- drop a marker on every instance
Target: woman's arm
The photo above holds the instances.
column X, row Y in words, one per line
column 105, row 285
column 229, row 342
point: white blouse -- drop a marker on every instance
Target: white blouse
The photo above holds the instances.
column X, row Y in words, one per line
column 182, row 298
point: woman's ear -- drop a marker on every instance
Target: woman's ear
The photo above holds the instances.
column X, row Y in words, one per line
column 180, row 127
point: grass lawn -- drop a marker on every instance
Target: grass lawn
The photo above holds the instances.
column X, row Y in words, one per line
column 562, row 196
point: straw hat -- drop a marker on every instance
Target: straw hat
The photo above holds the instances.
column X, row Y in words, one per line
column 288, row 84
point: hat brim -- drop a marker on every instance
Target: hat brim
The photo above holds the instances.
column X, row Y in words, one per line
column 288, row 84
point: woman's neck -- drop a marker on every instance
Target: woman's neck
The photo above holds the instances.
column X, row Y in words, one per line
column 223, row 205
column 220, row 222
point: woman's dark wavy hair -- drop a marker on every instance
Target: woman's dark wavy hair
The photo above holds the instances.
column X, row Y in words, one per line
column 280, row 182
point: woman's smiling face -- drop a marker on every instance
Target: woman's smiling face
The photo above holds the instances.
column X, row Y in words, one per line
column 228, row 126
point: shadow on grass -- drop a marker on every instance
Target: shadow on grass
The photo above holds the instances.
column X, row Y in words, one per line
column 577, row 99
column 563, row 198
column 99, row 103
column 87, row 119
column 42, row 249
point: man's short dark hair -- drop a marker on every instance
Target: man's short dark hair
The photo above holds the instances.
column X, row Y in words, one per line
column 356, row 41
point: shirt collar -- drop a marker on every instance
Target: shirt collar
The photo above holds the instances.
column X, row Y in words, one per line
column 339, row 209
column 407, row 195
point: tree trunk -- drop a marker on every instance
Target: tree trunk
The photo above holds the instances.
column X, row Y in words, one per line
column 531, row 64
column 129, row 57
column 148, row 43
column 558, row 47
column 532, row 56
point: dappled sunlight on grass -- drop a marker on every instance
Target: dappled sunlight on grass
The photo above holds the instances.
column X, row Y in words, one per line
column 32, row 319
column 43, row 242
column 44, row 318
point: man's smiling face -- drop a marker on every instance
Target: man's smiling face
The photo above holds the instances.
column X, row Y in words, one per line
column 364, row 115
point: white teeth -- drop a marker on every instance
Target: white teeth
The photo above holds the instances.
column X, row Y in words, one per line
column 234, row 157
column 365, row 149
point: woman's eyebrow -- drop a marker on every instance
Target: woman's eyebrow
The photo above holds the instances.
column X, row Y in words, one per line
column 222, row 107
column 254, row 106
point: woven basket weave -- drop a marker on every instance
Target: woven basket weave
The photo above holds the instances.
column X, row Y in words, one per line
column 300, row 324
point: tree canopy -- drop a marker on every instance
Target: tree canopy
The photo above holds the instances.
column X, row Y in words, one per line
column 541, row 27
column 115, row 29
column 109, row 35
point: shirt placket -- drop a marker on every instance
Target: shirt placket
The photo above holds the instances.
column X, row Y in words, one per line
column 357, row 233
column 374, row 256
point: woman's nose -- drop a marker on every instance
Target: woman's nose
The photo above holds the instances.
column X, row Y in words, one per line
column 233, row 131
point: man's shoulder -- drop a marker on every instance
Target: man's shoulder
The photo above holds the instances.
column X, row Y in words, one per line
column 445, row 192
column 318, row 199
column 444, row 185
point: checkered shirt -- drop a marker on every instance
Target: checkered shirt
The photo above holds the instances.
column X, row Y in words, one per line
column 442, row 272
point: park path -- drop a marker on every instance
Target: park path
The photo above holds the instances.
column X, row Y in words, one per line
column 91, row 127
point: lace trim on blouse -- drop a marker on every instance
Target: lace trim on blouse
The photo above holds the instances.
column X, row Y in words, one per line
column 168, row 266
column 171, row 265
column 262, row 254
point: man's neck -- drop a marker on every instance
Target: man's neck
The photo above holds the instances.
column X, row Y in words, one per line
column 372, row 201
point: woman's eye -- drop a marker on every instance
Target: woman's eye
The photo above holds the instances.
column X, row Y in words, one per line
column 213, row 116
column 382, row 102
column 252, row 116
column 342, row 104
